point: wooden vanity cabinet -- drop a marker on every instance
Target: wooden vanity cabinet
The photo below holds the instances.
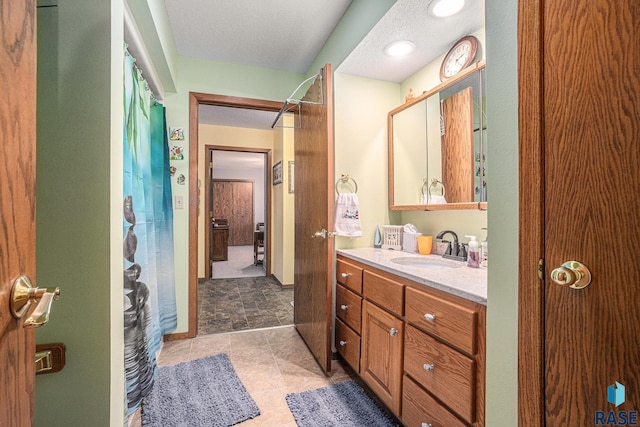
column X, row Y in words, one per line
column 420, row 349
column 348, row 312
column 381, row 359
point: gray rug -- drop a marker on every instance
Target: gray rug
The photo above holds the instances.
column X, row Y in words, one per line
column 345, row 405
column 203, row 392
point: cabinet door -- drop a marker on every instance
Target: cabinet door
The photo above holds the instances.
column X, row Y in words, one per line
column 381, row 363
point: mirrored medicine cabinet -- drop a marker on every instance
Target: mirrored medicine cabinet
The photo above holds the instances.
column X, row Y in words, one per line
column 438, row 144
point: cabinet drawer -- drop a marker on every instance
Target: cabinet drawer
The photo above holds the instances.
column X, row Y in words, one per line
column 348, row 307
column 384, row 292
column 348, row 345
column 420, row 409
column 451, row 322
column 349, row 275
column 445, row 372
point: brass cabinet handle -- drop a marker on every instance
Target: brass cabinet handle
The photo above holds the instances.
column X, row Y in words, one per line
column 572, row 274
column 430, row 317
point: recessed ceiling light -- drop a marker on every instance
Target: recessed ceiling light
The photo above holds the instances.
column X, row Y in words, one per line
column 399, row 48
column 444, row 8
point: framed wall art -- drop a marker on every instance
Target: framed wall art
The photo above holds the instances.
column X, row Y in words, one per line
column 277, row 173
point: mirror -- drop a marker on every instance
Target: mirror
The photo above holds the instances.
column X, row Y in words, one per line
column 437, row 147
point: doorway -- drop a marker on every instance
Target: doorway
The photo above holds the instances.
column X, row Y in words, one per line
column 197, row 195
column 235, row 199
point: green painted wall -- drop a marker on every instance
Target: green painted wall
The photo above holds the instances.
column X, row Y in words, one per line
column 502, row 309
column 79, row 246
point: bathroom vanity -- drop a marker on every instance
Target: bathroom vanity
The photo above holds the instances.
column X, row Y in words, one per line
column 413, row 328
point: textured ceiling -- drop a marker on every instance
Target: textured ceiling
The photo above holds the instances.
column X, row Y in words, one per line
column 277, row 34
column 288, row 34
column 410, row 20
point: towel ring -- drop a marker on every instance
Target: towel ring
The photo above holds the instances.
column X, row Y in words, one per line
column 344, row 179
column 434, row 184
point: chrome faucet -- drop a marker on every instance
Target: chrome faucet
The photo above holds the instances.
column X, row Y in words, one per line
column 454, row 251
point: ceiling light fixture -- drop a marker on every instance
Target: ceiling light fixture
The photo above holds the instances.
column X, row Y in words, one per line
column 399, row 48
column 444, row 8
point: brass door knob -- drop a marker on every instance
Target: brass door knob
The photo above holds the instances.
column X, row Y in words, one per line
column 572, row 274
column 24, row 294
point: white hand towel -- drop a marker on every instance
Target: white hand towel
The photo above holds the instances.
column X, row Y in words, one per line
column 347, row 221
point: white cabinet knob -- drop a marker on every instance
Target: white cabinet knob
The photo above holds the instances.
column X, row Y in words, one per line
column 428, row 367
column 430, row 317
column 343, row 343
column 344, row 275
column 344, row 307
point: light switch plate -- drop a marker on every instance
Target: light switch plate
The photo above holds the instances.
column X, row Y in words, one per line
column 179, row 202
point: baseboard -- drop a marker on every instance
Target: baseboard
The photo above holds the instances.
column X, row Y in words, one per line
column 280, row 283
column 177, row 336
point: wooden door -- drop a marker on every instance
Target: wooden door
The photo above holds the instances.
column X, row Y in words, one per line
column 457, row 147
column 381, row 363
column 313, row 263
column 17, row 201
column 580, row 179
column 233, row 200
column 243, row 214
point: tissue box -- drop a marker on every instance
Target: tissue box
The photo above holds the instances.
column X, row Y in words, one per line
column 410, row 242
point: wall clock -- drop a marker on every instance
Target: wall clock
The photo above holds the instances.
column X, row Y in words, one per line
column 459, row 57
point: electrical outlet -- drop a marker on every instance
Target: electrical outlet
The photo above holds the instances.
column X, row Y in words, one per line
column 179, row 202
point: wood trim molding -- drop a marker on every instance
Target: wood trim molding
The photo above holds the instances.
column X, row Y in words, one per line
column 195, row 100
column 531, row 386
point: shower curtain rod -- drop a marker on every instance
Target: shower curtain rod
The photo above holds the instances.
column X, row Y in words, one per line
column 134, row 44
column 290, row 101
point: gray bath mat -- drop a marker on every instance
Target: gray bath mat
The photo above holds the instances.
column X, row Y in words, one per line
column 203, row 392
column 345, row 405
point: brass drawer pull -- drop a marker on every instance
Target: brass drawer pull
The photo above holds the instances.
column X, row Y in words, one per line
column 430, row 317
column 428, row 367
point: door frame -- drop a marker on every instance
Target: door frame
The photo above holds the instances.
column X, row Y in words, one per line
column 195, row 100
column 207, row 202
column 531, row 338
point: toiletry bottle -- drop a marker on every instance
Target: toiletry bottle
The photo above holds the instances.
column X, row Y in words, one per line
column 484, row 253
column 473, row 254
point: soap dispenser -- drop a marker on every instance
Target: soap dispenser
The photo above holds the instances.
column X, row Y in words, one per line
column 484, row 252
column 473, row 255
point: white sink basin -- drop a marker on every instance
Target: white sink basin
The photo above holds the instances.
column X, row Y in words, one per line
column 426, row 262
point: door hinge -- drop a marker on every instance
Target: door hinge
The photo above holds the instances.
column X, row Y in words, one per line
column 541, row 269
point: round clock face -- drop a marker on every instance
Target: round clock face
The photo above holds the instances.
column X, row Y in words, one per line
column 459, row 57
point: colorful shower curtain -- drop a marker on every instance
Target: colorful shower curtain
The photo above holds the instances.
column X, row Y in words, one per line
column 149, row 285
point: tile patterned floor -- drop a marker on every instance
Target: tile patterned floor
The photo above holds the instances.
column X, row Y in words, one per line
column 226, row 305
column 270, row 362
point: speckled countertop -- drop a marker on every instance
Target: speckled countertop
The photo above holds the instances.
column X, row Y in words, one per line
column 463, row 281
